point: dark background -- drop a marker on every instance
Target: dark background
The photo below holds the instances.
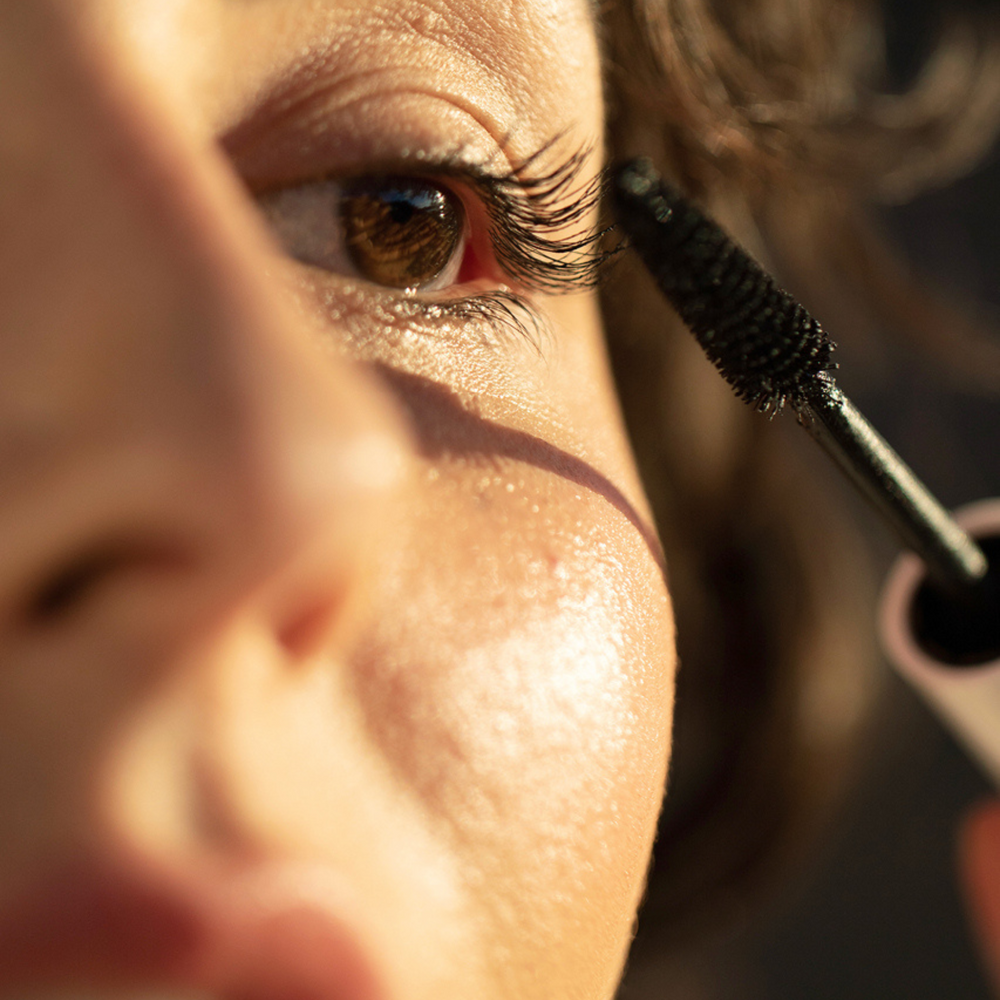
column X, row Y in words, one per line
column 877, row 914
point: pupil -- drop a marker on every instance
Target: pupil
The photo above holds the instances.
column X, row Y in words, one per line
column 399, row 232
column 401, row 212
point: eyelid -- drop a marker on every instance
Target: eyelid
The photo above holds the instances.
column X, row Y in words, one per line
column 319, row 133
column 542, row 221
column 539, row 230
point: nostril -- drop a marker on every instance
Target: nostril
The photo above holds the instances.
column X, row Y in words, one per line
column 79, row 577
column 304, row 632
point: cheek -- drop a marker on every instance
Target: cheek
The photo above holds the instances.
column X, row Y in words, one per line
column 520, row 685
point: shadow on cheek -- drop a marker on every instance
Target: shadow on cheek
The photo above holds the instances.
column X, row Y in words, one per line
column 443, row 426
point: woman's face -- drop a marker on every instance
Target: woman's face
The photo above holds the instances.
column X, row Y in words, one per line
column 335, row 655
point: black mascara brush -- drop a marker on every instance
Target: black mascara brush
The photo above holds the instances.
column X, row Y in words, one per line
column 773, row 354
column 940, row 620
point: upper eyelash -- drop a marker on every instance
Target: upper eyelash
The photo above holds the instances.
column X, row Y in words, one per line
column 528, row 214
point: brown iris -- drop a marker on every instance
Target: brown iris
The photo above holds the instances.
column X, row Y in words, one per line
column 399, row 231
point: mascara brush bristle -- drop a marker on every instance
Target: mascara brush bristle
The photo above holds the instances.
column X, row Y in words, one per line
column 763, row 342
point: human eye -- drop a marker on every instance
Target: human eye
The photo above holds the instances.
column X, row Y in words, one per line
column 453, row 235
column 405, row 233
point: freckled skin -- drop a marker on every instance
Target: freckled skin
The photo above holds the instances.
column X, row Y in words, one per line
column 344, row 587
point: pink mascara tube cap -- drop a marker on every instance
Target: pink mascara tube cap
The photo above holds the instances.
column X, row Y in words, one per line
column 948, row 651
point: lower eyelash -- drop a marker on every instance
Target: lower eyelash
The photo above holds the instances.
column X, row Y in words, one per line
column 504, row 313
column 500, row 317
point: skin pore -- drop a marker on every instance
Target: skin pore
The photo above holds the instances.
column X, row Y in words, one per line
column 336, row 659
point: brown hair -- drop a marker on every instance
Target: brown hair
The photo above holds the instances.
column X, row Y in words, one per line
column 769, row 112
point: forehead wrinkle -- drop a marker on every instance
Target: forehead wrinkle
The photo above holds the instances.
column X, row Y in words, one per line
column 531, row 47
column 497, row 33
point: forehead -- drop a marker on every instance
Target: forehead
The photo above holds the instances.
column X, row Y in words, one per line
column 525, row 69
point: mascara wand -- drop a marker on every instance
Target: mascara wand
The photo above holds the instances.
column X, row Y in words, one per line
column 773, row 353
column 940, row 614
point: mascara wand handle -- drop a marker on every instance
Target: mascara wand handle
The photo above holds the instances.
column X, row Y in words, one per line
column 953, row 559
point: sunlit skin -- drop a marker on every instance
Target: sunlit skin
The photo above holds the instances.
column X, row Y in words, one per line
column 335, row 651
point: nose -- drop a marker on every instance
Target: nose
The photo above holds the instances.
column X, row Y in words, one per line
column 181, row 452
column 163, row 409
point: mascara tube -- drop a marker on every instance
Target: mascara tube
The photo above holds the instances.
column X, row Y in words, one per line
column 948, row 648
